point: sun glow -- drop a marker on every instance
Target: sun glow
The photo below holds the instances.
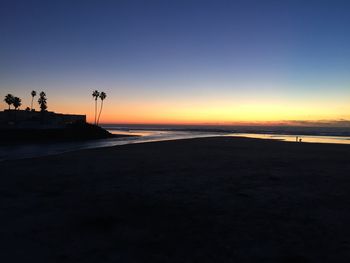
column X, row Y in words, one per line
column 209, row 109
column 215, row 113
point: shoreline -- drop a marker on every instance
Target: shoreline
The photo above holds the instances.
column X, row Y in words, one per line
column 52, row 144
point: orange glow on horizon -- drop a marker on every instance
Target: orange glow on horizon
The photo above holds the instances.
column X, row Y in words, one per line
column 221, row 113
column 243, row 114
column 215, row 111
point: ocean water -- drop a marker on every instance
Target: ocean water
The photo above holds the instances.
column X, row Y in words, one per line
column 338, row 135
column 153, row 133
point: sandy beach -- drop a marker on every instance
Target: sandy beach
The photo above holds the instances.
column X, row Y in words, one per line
column 216, row 199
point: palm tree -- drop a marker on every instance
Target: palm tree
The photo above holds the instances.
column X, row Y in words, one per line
column 33, row 93
column 102, row 97
column 9, row 99
column 17, row 102
column 95, row 94
column 42, row 101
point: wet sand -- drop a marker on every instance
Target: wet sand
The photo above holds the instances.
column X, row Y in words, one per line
column 199, row 200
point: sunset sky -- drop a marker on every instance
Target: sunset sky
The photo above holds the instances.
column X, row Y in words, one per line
column 192, row 62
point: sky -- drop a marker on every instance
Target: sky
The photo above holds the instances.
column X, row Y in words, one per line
column 181, row 62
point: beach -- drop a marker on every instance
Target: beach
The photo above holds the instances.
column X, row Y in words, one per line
column 219, row 199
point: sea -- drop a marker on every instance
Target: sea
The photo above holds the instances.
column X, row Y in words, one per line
column 155, row 133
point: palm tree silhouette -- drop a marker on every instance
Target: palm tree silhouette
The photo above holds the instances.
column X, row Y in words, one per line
column 95, row 94
column 103, row 95
column 33, row 93
column 9, row 99
column 42, row 101
column 17, row 102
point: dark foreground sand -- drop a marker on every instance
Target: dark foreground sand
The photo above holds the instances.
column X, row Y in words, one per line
column 200, row 200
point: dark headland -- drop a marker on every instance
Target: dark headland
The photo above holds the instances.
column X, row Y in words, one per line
column 199, row 200
column 71, row 132
column 18, row 126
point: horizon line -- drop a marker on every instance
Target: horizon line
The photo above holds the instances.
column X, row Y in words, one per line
column 342, row 123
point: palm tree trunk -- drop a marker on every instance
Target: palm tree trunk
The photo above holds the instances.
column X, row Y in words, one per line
column 95, row 110
column 98, row 119
column 31, row 107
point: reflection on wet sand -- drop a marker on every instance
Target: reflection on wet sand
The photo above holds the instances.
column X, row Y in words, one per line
column 142, row 136
column 292, row 138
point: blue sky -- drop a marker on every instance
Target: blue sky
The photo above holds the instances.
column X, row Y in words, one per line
column 160, row 52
